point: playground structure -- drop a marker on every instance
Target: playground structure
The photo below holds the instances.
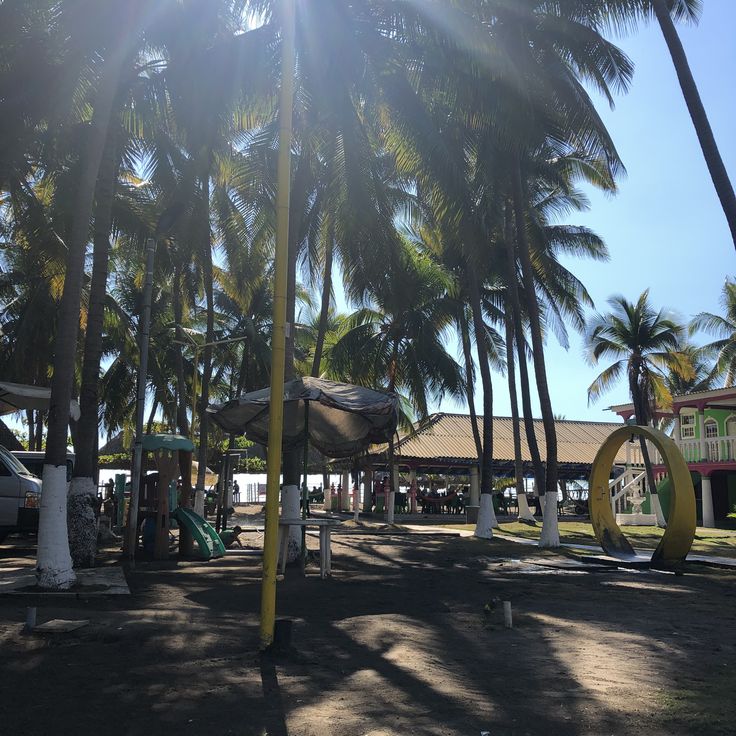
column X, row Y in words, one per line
column 158, row 503
column 680, row 532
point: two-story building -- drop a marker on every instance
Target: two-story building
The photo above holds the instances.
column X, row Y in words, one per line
column 704, row 427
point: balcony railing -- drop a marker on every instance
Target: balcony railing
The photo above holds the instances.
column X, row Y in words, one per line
column 717, row 450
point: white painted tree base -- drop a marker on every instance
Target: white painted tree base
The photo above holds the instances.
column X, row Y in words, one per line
column 656, row 507
column 54, row 562
column 199, row 502
column 486, row 517
column 391, row 507
column 550, row 536
column 525, row 513
column 82, row 521
column 290, row 510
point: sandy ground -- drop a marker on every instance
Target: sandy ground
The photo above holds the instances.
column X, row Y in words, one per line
column 407, row 637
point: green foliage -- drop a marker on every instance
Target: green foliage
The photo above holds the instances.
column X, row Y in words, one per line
column 410, row 124
column 115, row 460
column 645, row 344
column 723, row 327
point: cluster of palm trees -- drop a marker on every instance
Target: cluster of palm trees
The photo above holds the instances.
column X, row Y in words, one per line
column 437, row 147
column 655, row 353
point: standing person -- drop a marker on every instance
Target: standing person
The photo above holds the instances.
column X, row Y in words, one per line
column 236, row 492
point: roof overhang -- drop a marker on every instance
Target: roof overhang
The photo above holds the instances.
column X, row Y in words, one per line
column 720, row 398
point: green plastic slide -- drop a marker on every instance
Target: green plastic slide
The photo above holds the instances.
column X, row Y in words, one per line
column 208, row 540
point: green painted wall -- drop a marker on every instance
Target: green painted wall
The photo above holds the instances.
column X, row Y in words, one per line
column 720, row 415
column 664, row 489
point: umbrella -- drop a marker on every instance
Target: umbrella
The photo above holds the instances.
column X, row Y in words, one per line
column 342, row 419
column 17, row 396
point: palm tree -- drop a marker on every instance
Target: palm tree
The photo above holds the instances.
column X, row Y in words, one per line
column 723, row 327
column 117, row 153
column 396, row 341
column 620, row 13
column 645, row 344
column 703, row 374
column 534, row 101
column 707, row 140
column 120, row 24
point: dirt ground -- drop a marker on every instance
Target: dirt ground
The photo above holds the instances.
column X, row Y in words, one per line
column 407, row 637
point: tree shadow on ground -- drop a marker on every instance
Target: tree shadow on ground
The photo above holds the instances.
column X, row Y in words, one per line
column 407, row 637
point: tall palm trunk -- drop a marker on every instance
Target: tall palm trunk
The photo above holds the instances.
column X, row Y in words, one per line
column 209, row 338
column 152, row 416
column 486, row 516
column 388, row 501
column 243, row 384
column 324, row 311
column 643, row 417
column 526, row 401
column 707, row 140
column 81, row 512
column 523, row 507
column 186, row 541
column 290, row 462
column 31, row 429
column 550, row 536
column 469, row 385
column 54, row 563
column 39, row 432
column 182, row 420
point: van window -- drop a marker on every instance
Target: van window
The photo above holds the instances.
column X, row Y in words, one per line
column 35, row 466
column 4, row 472
column 13, row 463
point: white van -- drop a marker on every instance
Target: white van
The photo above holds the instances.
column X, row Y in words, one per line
column 20, row 496
column 33, row 460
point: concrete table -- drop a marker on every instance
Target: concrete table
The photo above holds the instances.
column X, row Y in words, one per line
column 325, row 549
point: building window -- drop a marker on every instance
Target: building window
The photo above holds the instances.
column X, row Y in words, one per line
column 731, row 426
column 711, row 429
column 687, row 426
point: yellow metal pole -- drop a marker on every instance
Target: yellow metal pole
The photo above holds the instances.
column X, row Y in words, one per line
column 278, row 343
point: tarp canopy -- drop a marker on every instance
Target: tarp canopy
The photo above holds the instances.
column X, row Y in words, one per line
column 343, row 419
column 17, row 396
column 172, row 442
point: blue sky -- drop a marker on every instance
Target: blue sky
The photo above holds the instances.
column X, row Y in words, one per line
column 665, row 229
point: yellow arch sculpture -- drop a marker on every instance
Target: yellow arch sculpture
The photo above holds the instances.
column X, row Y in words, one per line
column 680, row 532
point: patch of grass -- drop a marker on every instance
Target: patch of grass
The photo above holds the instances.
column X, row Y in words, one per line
column 718, row 542
column 706, row 708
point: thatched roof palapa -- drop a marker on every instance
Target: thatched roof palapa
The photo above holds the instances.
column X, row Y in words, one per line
column 444, row 443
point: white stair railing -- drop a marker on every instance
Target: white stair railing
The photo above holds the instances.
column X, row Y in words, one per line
column 626, row 483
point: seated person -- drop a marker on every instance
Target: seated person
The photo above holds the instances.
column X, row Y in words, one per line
column 229, row 537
